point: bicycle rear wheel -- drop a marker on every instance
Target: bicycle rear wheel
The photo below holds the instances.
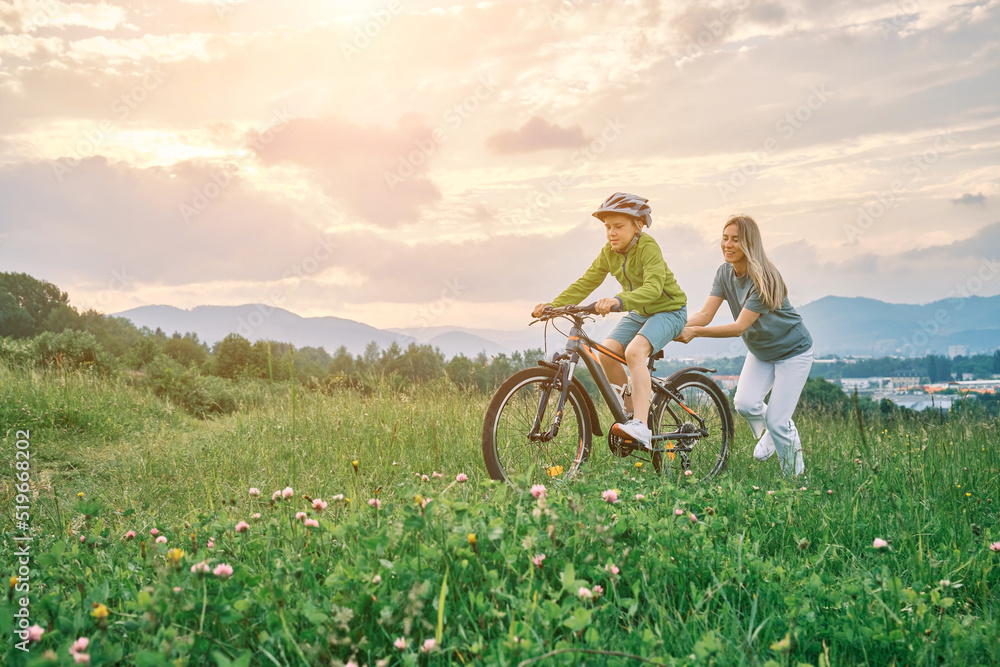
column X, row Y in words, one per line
column 509, row 449
column 707, row 454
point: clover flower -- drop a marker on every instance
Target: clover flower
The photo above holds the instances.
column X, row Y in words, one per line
column 223, row 571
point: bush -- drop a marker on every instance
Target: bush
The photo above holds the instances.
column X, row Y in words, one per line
column 201, row 396
column 71, row 350
column 17, row 352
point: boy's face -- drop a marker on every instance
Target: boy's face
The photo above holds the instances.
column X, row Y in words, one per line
column 621, row 229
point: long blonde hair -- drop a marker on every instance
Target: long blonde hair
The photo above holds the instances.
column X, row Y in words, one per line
column 765, row 276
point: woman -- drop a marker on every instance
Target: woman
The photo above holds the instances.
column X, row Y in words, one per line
column 780, row 347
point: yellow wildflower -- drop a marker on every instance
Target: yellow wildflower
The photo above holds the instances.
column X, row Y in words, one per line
column 100, row 612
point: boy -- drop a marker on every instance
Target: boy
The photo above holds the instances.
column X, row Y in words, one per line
column 657, row 305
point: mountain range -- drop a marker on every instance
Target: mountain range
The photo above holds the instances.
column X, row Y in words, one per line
column 839, row 325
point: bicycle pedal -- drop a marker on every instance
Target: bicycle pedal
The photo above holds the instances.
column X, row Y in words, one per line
column 625, row 437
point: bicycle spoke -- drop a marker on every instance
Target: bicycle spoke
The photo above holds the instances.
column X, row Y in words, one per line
column 507, row 438
column 698, row 410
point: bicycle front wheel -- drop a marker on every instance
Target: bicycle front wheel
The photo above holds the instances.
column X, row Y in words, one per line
column 512, row 451
column 703, row 408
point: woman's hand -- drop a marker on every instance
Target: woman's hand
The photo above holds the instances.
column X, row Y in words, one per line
column 537, row 312
column 687, row 335
column 604, row 306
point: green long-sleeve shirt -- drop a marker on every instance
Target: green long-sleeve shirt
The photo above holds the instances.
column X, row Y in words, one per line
column 648, row 284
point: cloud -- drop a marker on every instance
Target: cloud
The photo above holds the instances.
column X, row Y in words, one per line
column 104, row 217
column 379, row 173
column 969, row 199
column 930, row 273
column 30, row 16
column 535, row 135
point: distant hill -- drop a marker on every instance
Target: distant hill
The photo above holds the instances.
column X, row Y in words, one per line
column 256, row 322
column 839, row 325
column 857, row 325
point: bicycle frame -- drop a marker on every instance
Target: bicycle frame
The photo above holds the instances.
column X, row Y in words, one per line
column 580, row 346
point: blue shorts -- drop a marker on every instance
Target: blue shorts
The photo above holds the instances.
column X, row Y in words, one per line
column 659, row 328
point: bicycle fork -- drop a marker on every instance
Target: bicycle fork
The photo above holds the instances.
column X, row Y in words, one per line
column 563, row 379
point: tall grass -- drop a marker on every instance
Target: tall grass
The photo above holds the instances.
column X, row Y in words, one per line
column 787, row 577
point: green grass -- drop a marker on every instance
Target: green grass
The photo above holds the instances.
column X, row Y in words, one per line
column 789, row 577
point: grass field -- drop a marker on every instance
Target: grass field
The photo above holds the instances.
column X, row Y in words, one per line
column 748, row 569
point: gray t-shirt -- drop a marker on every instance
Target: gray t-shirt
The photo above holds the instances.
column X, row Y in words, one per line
column 777, row 334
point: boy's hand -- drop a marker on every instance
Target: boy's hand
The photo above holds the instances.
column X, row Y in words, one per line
column 687, row 335
column 604, row 306
column 537, row 312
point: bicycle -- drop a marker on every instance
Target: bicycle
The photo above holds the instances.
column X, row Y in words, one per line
column 691, row 422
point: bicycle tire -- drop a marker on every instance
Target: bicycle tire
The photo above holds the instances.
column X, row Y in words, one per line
column 510, row 454
column 709, row 454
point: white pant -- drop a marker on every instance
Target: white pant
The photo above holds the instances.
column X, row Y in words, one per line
column 784, row 379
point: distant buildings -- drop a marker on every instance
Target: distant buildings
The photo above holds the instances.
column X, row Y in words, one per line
column 894, row 384
column 727, row 382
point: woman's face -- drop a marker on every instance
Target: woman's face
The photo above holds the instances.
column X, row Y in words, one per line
column 731, row 250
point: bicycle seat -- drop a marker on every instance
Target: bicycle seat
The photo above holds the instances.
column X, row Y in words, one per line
column 657, row 356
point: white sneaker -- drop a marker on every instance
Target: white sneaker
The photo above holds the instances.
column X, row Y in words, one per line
column 764, row 449
column 635, row 430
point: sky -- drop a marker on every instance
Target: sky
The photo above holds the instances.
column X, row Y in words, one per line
column 410, row 163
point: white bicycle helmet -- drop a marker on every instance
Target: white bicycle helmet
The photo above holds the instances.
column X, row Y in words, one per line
column 631, row 205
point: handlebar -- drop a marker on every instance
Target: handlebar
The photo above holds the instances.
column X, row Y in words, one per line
column 562, row 311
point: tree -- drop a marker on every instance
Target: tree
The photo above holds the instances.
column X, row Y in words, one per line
column 342, row 363
column 37, row 298
column 14, row 320
column 821, row 395
column 461, row 370
column 232, row 356
column 421, row 363
column 186, row 349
